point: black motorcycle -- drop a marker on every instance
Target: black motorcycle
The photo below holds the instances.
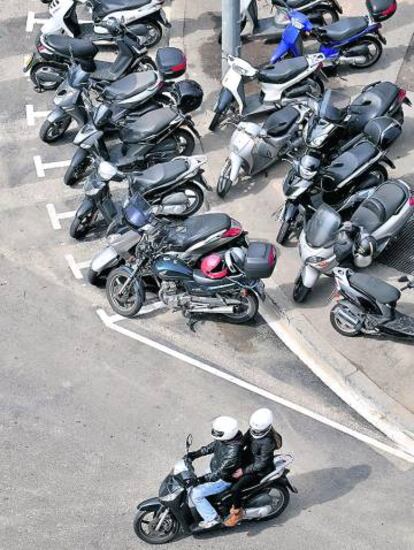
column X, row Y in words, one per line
column 162, row 519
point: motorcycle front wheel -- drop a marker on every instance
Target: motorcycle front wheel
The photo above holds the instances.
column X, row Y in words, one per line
column 126, row 302
column 144, row 526
column 246, row 311
column 300, row 291
column 224, row 182
column 283, row 233
column 81, row 225
column 154, row 34
column 52, row 131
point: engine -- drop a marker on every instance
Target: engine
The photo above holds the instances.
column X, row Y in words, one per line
column 171, row 297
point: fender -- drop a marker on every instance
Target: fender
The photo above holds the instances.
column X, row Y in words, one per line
column 149, row 505
column 310, row 276
column 224, row 100
column 57, row 114
column 87, row 206
column 284, row 482
column 290, row 211
column 77, row 159
column 201, row 182
column 107, row 258
column 159, row 17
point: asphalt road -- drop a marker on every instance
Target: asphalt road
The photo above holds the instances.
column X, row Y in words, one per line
column 91, row 420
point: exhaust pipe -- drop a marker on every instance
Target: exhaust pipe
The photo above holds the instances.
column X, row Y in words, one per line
column 348, row 317
column 352, row 60
column 222, row 309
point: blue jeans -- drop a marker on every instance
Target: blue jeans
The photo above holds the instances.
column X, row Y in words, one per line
column 199, row 494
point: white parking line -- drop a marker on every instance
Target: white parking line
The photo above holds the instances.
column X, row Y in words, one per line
column 31, row 115
column 32, row 20
column 111, row 323
column 148, row 308
column 41, row 166
column 76, row 267
column 55, row 217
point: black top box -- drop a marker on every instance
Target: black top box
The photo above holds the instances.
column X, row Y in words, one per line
column 260, row 260
column 381, row 10
column 171, row 62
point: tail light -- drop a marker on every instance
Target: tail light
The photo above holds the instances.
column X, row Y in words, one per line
column 411, row 201
column 232, row 232
column 272, row 256
column 40, row 48
column 402, row 94
column 390, row 10
column 180, row 67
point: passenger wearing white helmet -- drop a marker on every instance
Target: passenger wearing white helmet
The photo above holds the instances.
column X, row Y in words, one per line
column 227, row 450
column 259, row 445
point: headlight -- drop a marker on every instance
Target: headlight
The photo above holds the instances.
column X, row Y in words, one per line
column 306, row 173
column 317, row 142
column 317, row 261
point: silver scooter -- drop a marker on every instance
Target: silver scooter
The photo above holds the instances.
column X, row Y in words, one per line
column 255, row 147
column 326, row 242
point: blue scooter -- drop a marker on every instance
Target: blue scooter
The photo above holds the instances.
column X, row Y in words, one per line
column 352, row 41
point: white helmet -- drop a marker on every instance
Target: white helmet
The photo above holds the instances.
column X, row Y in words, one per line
column 261, row 423
column 224, row 428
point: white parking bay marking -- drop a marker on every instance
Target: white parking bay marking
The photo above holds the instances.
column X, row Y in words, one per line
column 31, row 115
column 41, row 166
column 32, row 20
column 76, row 267
column 113, row 325
column 55, row 217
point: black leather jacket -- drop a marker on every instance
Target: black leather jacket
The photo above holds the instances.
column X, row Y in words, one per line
column 227, row 458
column 258, row 453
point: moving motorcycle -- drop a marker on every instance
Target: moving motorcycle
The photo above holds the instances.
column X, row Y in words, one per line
column 161, row 519
column 368, row 305
column 326, row 242
column 347, row 180
column 289, row 81
column 256, row 147
column 178, row 184
column 351, row 41
column 134, row 13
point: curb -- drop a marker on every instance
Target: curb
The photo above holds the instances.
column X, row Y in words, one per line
column 338, row 373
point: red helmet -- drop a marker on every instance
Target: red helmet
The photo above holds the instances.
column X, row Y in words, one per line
column 213, row 267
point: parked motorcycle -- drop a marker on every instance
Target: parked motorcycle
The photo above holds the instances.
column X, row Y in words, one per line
column 130, row 237
column 326, row 242
column 179, row 184
column 288, row 81
column 347, row 180
column 134, row 13
column 368, row 305
column 128, row 98
column 157, row 136
column 256, row 147
column 162, row 519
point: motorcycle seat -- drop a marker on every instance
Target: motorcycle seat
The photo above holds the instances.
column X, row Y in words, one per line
column 344, row 28
column 378, row 289
column 130, row 85
column 283, row 71
column 382, row 205
column 157, row 175
column 294, row 4
column 101, row 8
column 147, row 125
column 349, row 161
column 196, row 229
column 372, row 103
column 279, row 122
column 80, row 48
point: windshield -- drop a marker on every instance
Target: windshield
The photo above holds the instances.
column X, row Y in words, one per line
column 323, row 227
column 137, row 212
column 333, row 106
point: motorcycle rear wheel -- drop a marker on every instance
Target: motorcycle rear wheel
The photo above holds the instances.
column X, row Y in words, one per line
column 195, row 195
column 45, row 67
column 340, row 327
column 131, row 301
column 283, row 499
column 372, row 59
column 248, row 311
column 143, row 518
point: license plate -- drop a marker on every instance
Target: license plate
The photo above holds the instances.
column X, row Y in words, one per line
column 27, row 62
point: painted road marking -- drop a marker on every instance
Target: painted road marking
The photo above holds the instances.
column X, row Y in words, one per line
column 76, row 267
column 41, row 166
column 31, row 115
column 32, row 20
column 147, row 308
column 55, row 217
column 112, row 324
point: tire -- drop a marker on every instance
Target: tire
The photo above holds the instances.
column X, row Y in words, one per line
column 285, row 499
column 154, row 33
column 215, row 122
column 95, row 279
column 139, row 522
column 52, row 131
column 300, row 291
column 74, row 174
column 81, row 225
column 46, row 85
column 185, row 142
column 319, row 86
column 339, row 326
column 283, row 233
column 375, row 42
column 197, row 195
column 252, row 307
column 399, row 116
column 381, row 172
column 135, row 296
column 146, row 64
column 224, row 183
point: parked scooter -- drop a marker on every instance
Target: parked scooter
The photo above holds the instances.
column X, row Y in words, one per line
column 353, row 41
column 368, row 305
column 157, row 136
column 162, row 519
column 256, row 147
column 347, row 180
column 289, row 81
column 134, row 13
column 326, row 242
column 180, row 180
column 130, row 236
column 54, row 53
column 129, row 97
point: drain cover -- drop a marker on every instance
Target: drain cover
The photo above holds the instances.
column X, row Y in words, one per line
column 400, row 253
column 406, row 75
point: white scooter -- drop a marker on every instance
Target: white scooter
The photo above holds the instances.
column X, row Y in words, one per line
column 64, row 19
column 287, row 81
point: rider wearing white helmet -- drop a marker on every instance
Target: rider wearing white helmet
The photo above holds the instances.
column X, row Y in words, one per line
column 259, row 444
column 227, row 450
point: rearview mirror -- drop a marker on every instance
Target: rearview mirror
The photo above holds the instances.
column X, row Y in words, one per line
column 403, row 279
column 188, row 442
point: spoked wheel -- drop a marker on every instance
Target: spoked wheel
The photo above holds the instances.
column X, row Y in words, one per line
column 52, row 131
column 280, row 499
column 154, row 34
column 300, row 291
column 185, row 142
column 125, row 296
column 246, row 311
column 341, row 326
column 375, row 52
column 195, row 198
column 224, row 182
column 147, row 528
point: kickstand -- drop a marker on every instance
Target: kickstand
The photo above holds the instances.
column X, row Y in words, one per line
column 191, row 320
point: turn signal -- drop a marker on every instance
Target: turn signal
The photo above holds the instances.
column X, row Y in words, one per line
column 402, row 94
column 411, row 201
column 232, row 232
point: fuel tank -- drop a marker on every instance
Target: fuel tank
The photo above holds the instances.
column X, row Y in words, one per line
column 171, row 270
